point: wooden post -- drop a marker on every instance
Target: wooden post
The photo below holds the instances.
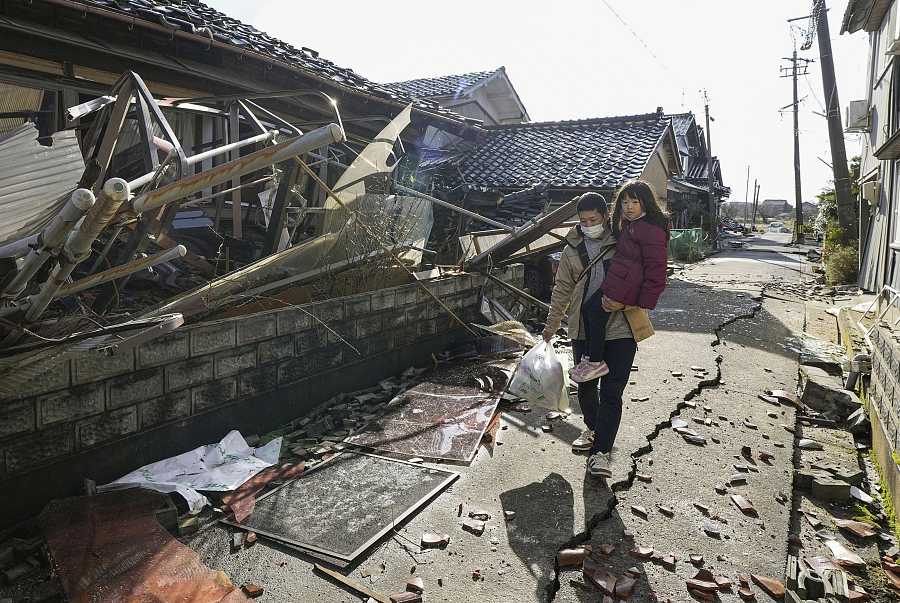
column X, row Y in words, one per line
column 234, row 130
column 279, row 207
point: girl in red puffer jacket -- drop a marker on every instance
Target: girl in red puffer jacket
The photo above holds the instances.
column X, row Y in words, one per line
column 636, row 275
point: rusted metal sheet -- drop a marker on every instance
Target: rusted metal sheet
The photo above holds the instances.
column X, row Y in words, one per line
column 443, row 418
column 35, row 180
column 110, row 548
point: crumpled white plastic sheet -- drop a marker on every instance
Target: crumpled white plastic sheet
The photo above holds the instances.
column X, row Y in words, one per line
column 220, row 467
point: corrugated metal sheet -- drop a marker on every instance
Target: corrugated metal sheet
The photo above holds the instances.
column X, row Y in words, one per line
column 34, row 179
column 16, row 98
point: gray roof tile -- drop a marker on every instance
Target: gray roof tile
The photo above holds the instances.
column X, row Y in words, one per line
column 591, row 153
column 445, row 85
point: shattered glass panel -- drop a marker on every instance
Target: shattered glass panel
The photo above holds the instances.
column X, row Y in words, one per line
column 443, row 418
column 345, row 505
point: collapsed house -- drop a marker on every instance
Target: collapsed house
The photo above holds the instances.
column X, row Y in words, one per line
column 688, row 195
column 201, row 221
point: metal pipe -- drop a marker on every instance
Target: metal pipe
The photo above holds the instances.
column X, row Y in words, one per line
column 179, row 189
column 195, row 159
column 52, row 236
column 17, row 249
column 121, row 271
column 106, row 249
column 456, row 208
column 78, row 244
column 519, row 292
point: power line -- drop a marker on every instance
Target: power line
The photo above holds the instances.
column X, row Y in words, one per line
column 638, row 38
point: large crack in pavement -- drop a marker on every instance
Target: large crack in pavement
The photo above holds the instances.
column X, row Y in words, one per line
column 625, row 484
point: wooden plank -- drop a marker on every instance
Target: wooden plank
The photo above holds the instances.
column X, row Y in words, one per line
column 352, row 584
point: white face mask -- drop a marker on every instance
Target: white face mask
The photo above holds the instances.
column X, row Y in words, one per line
column 593, row 232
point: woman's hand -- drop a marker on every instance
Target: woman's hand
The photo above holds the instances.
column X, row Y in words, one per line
column 611, row 305
column 548, row 335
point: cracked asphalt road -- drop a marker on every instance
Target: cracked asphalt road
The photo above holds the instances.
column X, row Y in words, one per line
column 708, row 317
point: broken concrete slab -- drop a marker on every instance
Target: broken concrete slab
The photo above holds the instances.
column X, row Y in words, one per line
column 830, row 489
column 825, row 394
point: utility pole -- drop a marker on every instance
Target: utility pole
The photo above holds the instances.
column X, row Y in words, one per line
column 746, row 199
column 755, row 203
column 845, row 210
column 713, row 200
column 794, row 70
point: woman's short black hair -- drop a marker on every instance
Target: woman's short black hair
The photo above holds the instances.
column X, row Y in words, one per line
column 592, row 202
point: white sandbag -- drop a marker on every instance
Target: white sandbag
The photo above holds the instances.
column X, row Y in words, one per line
column 539, row 378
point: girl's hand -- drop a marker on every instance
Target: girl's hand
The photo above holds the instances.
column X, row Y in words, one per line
column 611, row 305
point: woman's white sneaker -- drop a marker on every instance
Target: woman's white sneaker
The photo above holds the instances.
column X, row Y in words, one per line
column 598, row 465
column 584, row 441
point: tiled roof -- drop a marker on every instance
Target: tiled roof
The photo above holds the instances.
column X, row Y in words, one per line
column 197, row 18
column 681, row 123
column 590, row 153
column 445, row 85
column 697, row 169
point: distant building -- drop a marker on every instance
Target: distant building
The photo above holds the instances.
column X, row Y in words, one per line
column 488, row 96
column 810, row 210
column 771, row 208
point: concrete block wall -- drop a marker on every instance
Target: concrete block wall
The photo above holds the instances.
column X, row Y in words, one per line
column 884, row 385
column 884, row 406
column 101, row 417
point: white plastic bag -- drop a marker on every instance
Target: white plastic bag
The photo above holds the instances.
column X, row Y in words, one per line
column 539, row 378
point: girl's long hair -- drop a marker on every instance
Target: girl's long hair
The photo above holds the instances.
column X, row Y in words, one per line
column 643, row 192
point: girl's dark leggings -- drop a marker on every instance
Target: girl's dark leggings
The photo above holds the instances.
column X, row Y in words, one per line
column 594, row 318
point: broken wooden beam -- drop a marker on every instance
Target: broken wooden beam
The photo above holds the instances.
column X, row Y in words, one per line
column 352, row 584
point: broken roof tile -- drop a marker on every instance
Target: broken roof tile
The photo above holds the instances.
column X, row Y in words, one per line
column 773, row 587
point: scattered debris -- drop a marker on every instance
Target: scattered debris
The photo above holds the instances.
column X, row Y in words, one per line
column 474, row 526
column 641, row 552
column 415, row 585
column 744, row 505
column 774, row 588
column 639, row 511
column 809, row 444
column 844, row 556
column 252, row 590
column 572, row 557
column 431, row 540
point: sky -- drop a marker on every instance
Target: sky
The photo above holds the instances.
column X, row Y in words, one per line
column 578, row 59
